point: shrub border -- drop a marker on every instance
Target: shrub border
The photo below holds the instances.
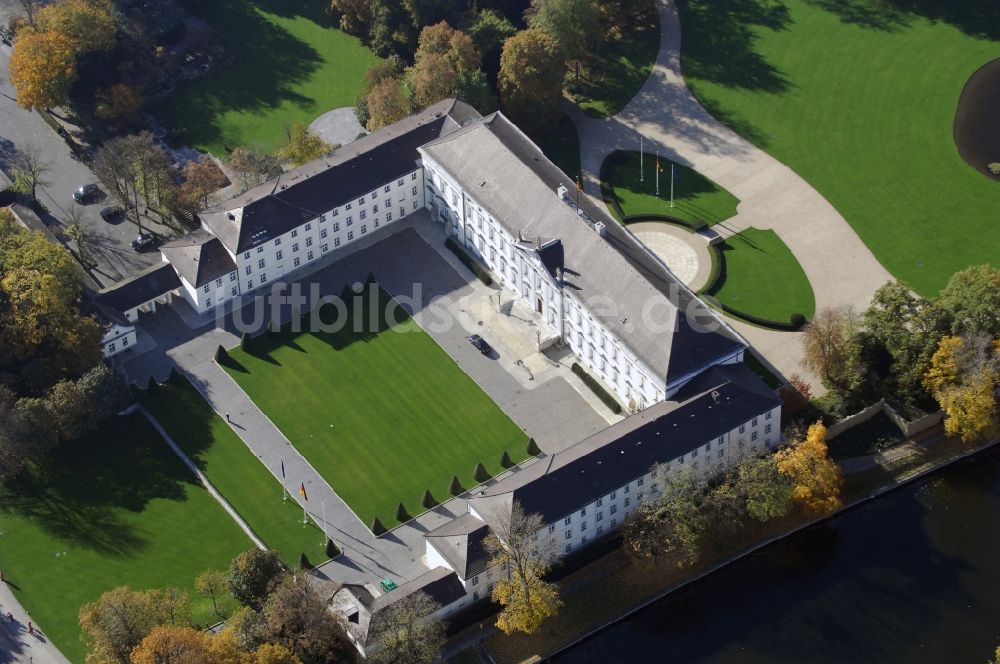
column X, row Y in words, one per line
column 597, row 389
column 469, row 262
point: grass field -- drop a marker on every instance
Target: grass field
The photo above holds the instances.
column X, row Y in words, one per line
column 116, row 507
column 696, row 198
column 288, row 64
column 235, row 472
column 763, row 278
column 859, row 98
column 382, row 415
column 620, row 66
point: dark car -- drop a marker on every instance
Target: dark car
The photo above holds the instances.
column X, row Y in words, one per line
column 112, row 213
column 86, row 193
column 143, row 241
column 480, row 344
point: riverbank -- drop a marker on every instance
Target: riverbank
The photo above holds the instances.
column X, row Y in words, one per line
column 615, row 587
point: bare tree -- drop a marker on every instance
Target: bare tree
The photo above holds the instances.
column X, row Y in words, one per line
column 80, row 233
column 137, row 170
column 252, row 166
column 517, row 544
column 408, row 633
column 30, row 9
column 825, row 341
column 30, row 169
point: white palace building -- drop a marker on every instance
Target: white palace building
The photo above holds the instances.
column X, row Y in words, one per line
column 668, row 357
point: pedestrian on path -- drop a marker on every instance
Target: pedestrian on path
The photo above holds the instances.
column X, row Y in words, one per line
column 227, row 418
column 10, row 617
column 31, row 628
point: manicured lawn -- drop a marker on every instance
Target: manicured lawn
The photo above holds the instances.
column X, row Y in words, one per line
column 288, row 64
column 696, row 198
column 763, row 279
column 561, row 145
column 620, row 65
column 381, row 414
column 235, row 472
column 116, row 507
column 859, row 98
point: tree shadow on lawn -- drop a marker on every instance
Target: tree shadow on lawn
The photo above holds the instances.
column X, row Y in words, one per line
column 721, row 44
column 266, row 63
column 976, row 18
column 77, row 492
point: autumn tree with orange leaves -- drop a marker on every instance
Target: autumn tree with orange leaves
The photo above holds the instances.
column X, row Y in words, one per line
column 815, row 477
column 42, row 69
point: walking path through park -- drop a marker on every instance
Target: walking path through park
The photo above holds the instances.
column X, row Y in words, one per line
column 839, row 266
column 17, row 646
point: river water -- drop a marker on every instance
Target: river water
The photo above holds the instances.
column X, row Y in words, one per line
column 912, row 577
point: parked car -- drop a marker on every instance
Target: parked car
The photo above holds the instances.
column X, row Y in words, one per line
column 143, row 241
column 87, row 192
column 480, row 344
column 112, row 212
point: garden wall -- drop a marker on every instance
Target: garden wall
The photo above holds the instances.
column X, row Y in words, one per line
column 908, row 427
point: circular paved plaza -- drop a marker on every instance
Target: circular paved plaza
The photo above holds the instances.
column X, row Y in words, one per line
column 684, row 252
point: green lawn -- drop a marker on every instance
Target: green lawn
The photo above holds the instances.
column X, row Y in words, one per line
column 763, row 279
column 859, row 98
column 116, row 507
column 696, row 198
column 620, row 66
column 382, row 415
column 288, row 65
column 235, row 472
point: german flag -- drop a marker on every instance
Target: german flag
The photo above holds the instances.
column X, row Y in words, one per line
column 302, row 491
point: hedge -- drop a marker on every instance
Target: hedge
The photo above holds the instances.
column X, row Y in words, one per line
column 597, row 389
column 469, row 262
column 715, row 283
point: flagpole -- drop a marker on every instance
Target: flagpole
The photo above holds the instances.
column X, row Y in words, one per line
column 641, row 176
column 323, row 525
column 284, row 489
column 671, row 184
column 657, row 172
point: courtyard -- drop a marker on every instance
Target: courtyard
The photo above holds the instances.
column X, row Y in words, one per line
column 381, row 412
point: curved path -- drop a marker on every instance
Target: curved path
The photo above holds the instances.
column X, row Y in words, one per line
column 840, row 268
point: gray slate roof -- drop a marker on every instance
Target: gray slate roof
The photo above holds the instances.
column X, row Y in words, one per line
column 713, row 404
column 507, row 174
column 462, row 542
column 295, row 197
column 139, row 289
column 199, row 257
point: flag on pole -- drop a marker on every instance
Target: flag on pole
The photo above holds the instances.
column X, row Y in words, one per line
column 302, row 490
column 579, row 183
column 658, row 169
column 641, row 178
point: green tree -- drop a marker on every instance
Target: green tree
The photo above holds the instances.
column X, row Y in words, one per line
column 669, row 528
column 574, row 24
column 407, row 632
column 303, row 146
column 252, row 575
column 488, row 30
column 213, row 585
column 766, row 493
column 42, row 69
column 353, row 16
column 972, row 297
column 474, row 89
column 532, row 68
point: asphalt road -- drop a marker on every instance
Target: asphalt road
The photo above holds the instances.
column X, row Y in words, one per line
column 19, row 129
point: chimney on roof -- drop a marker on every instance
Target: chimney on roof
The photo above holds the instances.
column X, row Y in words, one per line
column 232, row 217
column 599, row 228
